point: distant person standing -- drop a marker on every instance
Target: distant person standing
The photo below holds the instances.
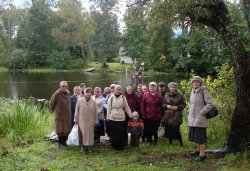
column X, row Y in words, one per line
column 60, row 104
column 140, row 71
column 134, row 69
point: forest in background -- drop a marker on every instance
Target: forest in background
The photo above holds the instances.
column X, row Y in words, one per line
column 62, row 34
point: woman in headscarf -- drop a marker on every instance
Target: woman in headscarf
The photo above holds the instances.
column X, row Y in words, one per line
column 173, row 104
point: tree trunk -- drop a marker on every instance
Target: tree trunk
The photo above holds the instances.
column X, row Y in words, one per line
column 219, row 19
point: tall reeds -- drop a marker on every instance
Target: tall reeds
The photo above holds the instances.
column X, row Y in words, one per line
column 22, row 121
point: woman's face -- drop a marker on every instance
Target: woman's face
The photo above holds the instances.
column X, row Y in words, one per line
column 152, row 89
column 78, row 91
column 88, row 95
column 129, row 90
column 117, row 91
column 64, row 88
column 172, row 89
column 196, row 84
column 97, row 92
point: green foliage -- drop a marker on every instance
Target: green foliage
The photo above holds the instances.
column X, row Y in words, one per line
column 59, row 60
column 18, row 60
column 136, row 37
column 21, row 121
column 38, row 41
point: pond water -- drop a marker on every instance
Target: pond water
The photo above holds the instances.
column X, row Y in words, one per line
column 43, row 85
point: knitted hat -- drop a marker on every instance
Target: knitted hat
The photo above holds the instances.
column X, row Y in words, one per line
column 161, row 84
column 173, row 84
column 153, row 83
column 197, row 78
column 135, row 114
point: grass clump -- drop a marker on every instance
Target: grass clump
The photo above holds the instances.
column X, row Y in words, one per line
column 21, row 121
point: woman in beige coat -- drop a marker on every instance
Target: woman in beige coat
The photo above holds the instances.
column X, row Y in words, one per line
column 201, row 102
column 86, row 118
column 116, row 115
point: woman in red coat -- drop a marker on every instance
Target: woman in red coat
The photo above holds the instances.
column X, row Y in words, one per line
column 151, row 111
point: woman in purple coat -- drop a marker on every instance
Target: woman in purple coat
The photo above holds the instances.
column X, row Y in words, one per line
column 151, row 111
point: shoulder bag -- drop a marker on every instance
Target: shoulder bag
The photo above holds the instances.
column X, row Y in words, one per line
column 213, row 112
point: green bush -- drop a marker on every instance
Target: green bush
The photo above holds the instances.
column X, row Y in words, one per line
column 18, row 60
column 22, row 121
column 59, row 60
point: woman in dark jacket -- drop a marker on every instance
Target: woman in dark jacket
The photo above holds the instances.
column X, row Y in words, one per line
column 73, row 99
column 173, row 104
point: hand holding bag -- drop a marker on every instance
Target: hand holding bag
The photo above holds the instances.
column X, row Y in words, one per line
column 213, row 112
column 73, row 138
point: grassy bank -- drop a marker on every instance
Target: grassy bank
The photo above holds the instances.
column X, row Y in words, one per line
column 112, row 67
column 22, row 147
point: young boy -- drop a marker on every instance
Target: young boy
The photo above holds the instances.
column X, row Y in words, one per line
column 135, row 128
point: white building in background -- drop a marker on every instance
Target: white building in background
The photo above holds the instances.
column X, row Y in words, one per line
column 125, row 59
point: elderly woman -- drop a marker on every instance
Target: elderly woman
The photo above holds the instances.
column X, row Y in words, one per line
column 130, row 97
column 86, row 118
column 116, row 115
column 61, row 106
column 77, row 95
column 151, row 111
column 201, row 102
column 99, row 129
column 173, row 104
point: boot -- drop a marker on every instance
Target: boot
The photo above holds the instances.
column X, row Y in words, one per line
column 170, row 141
column 81, row 148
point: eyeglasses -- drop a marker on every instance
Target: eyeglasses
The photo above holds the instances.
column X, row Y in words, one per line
column 64, row 86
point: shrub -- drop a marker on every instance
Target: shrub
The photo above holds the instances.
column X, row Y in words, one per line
column 59, row 60
column 18, row 60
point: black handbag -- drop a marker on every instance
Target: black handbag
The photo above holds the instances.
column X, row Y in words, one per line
column 213, row 112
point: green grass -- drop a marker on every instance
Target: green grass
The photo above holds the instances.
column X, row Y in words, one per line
column 45, row 155
column 3, row 69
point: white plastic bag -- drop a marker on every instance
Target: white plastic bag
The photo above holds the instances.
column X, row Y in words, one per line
column 73, row 138
column 161, row 131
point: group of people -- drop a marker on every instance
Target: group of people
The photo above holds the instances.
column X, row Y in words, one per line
column 115, row 114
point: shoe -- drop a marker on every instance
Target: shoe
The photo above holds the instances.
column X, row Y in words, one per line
column 150, row 144
column 90, row 150
column 200, row 158
column 195, row 153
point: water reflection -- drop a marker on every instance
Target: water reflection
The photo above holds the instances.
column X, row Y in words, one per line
column 42, row 85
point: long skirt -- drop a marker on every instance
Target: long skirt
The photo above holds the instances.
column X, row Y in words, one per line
column 117, row 134
column 197, row 135
column 172, row 131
